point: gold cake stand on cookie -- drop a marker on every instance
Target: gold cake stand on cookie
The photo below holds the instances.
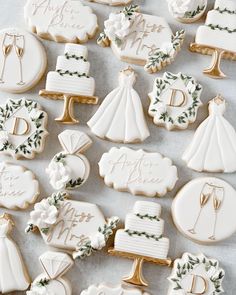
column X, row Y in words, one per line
column 68, row 111
column 214, row 70
column 136, row 276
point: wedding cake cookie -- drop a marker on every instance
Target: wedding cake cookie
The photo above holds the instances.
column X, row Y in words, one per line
column 143, row 232
column 71, row 75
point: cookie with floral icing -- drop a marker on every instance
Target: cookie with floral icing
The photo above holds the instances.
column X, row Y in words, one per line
column 69, row 169
column 141, row 39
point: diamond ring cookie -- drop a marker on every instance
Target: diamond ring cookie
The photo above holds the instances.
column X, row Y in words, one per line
column 78, row 227
column 23, row 60
column 22, row 128
column 18, row 186
column 204, row 210
column 141, row 39
column 196, row 274
column 70, row 169
column 60, row 20
column 175, row 100
column 218, row 36
column 52, row 280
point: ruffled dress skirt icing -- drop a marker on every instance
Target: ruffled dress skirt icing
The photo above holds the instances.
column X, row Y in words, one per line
column 120, row 117
column 213, row 147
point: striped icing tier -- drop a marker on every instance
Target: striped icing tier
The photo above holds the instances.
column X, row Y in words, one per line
column 70, row 84
column 223, row 20
column 135, row 223
column 141, row 245
column 228, row 4
column 145, row 207
column 76, row 49
column 73, row 65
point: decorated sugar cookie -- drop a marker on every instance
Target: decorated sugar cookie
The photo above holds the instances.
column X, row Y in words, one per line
column 187, row 11
column 120, row 117
column 204, row 210
column 142, row 240
column 52, row 280
column 218, row 36
column 112, row 2
column 175, row 100
column 213, row 147
column 138, row 172
column 105, row 289
column 18, row 186
column 141, row 38
column 70, row 169
column 196, row 274
column 22, row 128
column 77, row 227
column 71, row 81
column 13, row 273
column 61, row 20
column 23, row 60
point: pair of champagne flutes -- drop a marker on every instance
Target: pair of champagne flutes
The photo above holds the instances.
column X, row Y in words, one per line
column 10, row 41
column 216, row 193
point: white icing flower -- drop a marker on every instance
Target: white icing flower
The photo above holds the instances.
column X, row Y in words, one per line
column 98, row 241
column 44, row 214
column 39, row 290
column 3, row 138
column 117, row 26
column 180, row 7
column 59, row 174
column 34, row 113
column 160, row 108
column 191, row 86
column 167, row 48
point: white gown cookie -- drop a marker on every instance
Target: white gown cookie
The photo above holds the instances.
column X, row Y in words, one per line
column 70, row 169
column 13, row 273
column 52, row 281
column 77, row 227
column 138, row 172
column 213, row 148
column 196, row 274
column 22, row 128
column 60, row 20
column 175, row 100
column 204, row 210
column 18, row 186
column 120, row 117
column 141, row 38
column 23, row 60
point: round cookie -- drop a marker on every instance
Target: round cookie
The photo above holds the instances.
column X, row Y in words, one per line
column 22, row 60
column 204, row 210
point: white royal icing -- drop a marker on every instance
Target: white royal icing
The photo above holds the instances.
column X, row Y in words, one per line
column 213, row 147
column 143, row 232
column 61, row 20
column 219, row 30
column 72, row 70
column 112, row 2
column 22, row 60
column 175, row 100
column 138, row 172
column 22, row 128
column 204, row 210
column 18, row 186
column 14, row 276
column 120, row 117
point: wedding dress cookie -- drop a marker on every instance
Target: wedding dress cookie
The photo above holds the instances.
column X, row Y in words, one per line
column 187, row 11
column 175, row 100
column 60, row 20
column 138, row 172
column 77, row 227
column 52, row 281
column 22, row 128
column 14, row 275
column 70, row 169
column 213, row 148
column 120, row 117
column 141, row 38
column 196, row 274
column 23, row 60
column 112, row 2
column 18, row 186
column 204, row 210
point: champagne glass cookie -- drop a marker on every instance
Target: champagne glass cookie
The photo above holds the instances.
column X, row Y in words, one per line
column 69, row 169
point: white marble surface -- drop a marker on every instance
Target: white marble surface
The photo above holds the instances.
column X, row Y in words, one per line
column 104, row 68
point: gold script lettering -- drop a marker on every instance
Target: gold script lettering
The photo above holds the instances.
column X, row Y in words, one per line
column 15, row 127
column 193, row 289
column 173, row 102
